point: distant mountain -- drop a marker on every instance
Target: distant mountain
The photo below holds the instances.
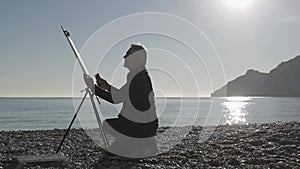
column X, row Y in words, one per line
column 283, row 81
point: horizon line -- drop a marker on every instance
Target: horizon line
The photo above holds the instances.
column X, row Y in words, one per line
column 82, row 96
column 158, row 97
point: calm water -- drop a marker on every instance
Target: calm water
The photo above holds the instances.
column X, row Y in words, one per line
column 49, row 113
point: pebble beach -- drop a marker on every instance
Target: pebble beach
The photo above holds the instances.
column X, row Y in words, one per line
column 269, row 145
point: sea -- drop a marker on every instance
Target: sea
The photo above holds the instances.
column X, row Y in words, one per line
column 57, row 113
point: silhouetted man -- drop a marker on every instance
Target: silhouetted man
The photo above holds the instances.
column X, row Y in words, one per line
column 137, row 118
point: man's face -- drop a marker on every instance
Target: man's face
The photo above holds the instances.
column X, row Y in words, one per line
column 128, row 59
column 125, row 62
column 133, row 57
column 128, row 63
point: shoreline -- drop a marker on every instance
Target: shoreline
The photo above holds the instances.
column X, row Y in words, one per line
column 263, row 145
column 160, row 127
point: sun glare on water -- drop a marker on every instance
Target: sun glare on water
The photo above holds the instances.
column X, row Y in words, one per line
column 235, row 110
column 238, row 4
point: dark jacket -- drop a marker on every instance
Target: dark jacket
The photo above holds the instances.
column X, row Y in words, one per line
column 136, row 95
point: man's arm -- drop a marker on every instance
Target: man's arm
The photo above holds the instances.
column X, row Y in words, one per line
column 103, row 94
column 105, row 90
column 113, row 95
column 106, row 95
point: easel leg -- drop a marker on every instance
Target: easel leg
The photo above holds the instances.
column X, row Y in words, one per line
column 74, row 117
column 106, row 143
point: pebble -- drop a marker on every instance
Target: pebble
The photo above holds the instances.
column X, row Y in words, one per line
column 231, row 146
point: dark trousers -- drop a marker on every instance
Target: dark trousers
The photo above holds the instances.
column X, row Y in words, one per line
column 123, row 126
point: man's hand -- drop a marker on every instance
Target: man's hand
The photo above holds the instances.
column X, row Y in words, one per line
column 102, row 83
column 89, row 81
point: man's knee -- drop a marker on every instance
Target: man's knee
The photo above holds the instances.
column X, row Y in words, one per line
column 111, row 126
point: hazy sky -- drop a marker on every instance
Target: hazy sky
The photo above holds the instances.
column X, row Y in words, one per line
column 37, row 61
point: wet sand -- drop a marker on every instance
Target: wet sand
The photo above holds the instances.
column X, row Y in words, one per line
column 271, row 145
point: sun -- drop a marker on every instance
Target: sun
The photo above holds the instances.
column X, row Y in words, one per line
column 238, row 4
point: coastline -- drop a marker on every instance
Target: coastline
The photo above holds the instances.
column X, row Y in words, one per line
column 265, row 145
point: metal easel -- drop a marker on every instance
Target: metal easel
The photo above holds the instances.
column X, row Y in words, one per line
column 87, row 92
